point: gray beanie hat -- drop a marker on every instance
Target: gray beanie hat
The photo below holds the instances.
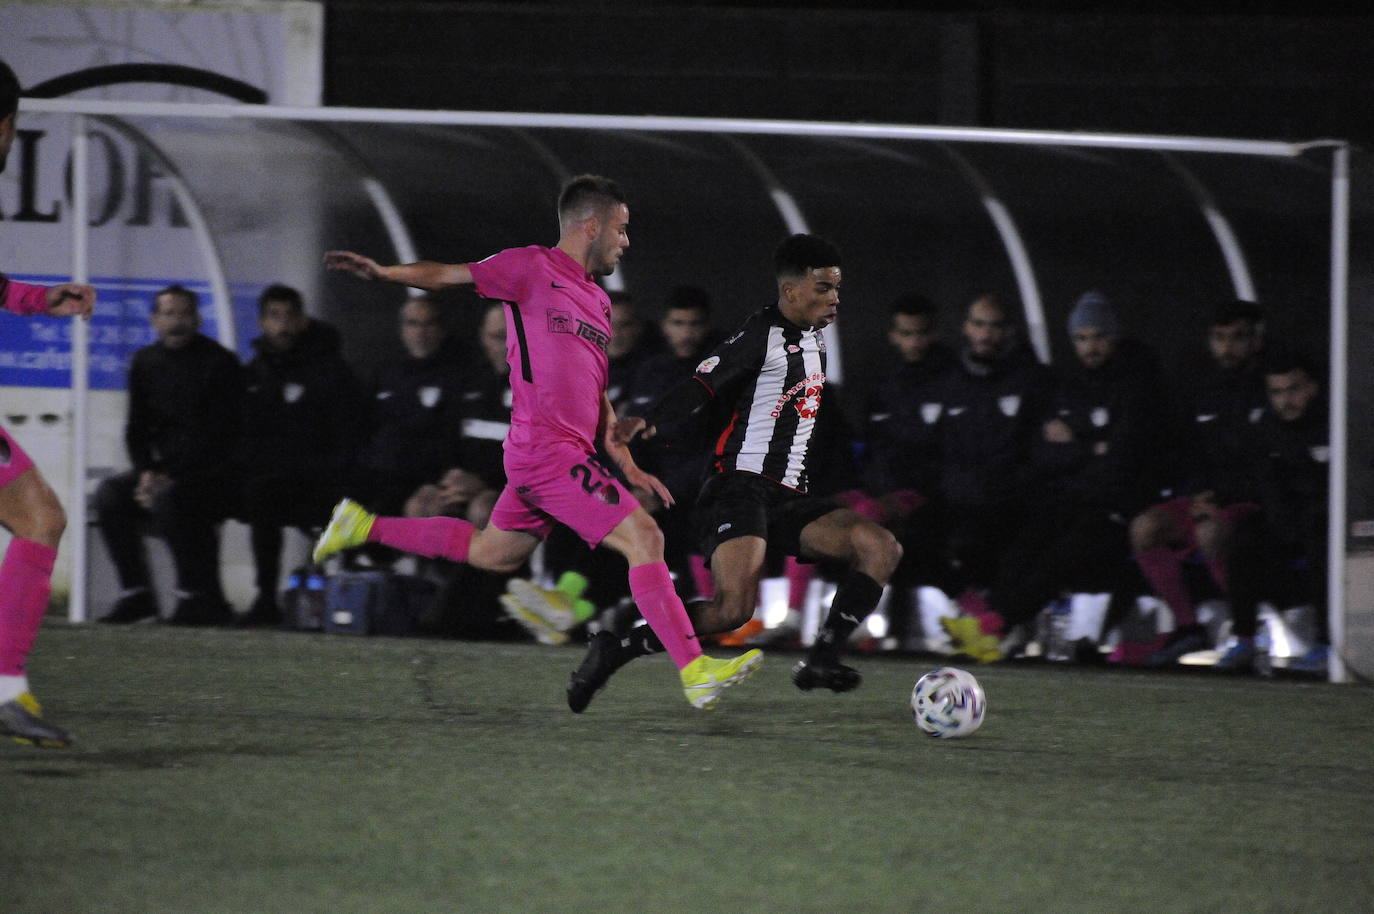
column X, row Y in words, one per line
column 1093, row 309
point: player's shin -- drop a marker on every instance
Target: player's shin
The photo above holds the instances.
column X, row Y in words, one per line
column 651, row 586
column 25, row 582
column 855, row 598
column 432, row 537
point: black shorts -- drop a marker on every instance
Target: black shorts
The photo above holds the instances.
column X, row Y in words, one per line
column 742, row 504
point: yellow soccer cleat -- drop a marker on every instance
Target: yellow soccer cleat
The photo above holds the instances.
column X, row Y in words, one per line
column 706, row 677
column 348, row 526
column 556, row 609
column 532, row 622
column 967, row 638
column 21, row 719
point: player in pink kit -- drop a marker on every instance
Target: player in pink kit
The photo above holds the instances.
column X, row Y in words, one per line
column 28, row 507
column 557, row 331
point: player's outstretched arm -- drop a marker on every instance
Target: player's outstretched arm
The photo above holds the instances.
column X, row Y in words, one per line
column 424, row 274
column 70, row 299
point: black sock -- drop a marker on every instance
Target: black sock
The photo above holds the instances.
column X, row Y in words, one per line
column 854, row 599
column 641, row 641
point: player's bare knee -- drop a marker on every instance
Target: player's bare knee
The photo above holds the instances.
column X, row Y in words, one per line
column 48, row 521
column 876, row 550
column 1211, row 537
column 648, row 537
column 1147, row 530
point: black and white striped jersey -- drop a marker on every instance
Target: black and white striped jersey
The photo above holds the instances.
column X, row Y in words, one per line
column 771, row 374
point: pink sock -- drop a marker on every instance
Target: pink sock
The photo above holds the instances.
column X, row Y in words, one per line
column 25, row 582
column 652, row 588
column 432, row 537
column 798, row 579
column 1164, row 570
column 701, row 576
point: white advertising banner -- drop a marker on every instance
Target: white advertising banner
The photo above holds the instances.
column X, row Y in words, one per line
column 275, row 47
column 144, row 232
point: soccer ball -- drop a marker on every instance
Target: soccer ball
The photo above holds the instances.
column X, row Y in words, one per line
column 948, row 703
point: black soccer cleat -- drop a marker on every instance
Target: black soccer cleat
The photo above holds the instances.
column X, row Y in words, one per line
column 132, row 607
column 825, row 674
column 195, row 610
column 21, row 719
column 604, row 657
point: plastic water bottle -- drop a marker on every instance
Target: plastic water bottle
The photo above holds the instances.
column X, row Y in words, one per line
column 1057, row 647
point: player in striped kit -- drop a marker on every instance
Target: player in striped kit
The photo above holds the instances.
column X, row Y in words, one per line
column 771, row 374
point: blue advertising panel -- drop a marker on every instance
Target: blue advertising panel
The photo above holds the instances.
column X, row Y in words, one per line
column 36, row 352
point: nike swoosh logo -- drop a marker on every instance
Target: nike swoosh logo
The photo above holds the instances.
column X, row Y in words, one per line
column 852, row 620
column 956, row 410
column 1207, row 417
column 557, row 286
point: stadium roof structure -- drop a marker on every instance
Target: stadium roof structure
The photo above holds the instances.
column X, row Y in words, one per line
column 1042, row 214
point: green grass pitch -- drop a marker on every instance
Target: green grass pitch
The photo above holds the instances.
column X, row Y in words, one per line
column 225, row 771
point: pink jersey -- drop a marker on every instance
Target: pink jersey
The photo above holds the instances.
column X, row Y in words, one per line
column 558, row 325
column 22, row 297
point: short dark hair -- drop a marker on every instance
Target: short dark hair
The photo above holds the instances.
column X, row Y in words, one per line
column 991, row 300
column 1281, row 359
column 279, row 292
column 587, row 195
column 1226, row 313
column 9, row 91
column 439, row 309
column 181, row 292
column 691, row 298
column 800, row 254
column 913, row 304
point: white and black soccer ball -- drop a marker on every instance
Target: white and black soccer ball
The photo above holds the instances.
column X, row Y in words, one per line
column 948, row 703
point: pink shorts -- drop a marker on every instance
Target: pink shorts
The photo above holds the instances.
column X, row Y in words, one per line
column 13, row 460
column 1180, row 510
column 565, row 486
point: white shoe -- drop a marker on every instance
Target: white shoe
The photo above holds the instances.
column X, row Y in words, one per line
column 553, row 606
column 531, row 622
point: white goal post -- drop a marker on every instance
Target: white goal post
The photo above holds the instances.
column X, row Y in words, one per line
column 1331, row 156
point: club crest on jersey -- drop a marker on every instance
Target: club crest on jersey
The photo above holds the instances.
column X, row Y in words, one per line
column 429, row 396
column 1009, row 405
column 930, row 412
column 809, row 403
column 807, row 392
column 292, row 392
column 708, row 365
column 560, row 321
column 1100, row 416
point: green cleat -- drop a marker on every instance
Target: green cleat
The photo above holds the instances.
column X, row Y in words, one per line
column 348, row 526
column 967, row 638
column 22, row 721
column 706, row 677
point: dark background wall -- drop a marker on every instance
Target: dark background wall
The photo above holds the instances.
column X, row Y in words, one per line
column 1210, row 69
column 1228, row 69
